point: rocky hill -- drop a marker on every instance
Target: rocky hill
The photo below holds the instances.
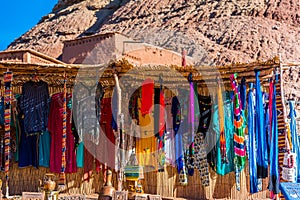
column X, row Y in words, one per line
column 227, row 30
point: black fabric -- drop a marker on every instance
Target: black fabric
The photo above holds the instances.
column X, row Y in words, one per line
column 156, row 111
column 262, row 172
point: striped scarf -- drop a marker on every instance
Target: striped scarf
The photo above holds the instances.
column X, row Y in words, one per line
column 239, row 147
column 62, row 179
column 7, row 118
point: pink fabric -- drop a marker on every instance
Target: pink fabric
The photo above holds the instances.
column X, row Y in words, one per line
column 239, row 151
column 55, row 126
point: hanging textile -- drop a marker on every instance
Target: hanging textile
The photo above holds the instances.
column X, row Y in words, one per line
column 28, row 152
column 201, row 163
column 262, row 153
column 146, row 144
column 169, row 137
column 161, row 130
column 221, row 167
column 239, row 146
column 44, row 149
column 8, row 76
column 274, row 168
column 147, row 96
column 62, row 177
column 295, row 139
column 252, row 141
column 243, row 93
column 62, row 151
column 179, row 146
column 222, row 136
column 191, row 131
column 35, row 106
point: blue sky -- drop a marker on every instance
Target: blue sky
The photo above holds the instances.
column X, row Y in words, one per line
column 18, row 16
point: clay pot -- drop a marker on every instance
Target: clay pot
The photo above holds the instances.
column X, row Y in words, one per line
column 107, row 189
column 49, row 183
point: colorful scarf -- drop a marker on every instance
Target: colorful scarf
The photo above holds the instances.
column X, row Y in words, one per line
column 262, row 152
column 251, row 141
column 7, row 118
column 62, row 177
column 221, row 124
column 239, row 147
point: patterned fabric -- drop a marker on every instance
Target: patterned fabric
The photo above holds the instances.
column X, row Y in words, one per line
column 200, row 158
column 239, row 147
column 222, row 125
column 64, row 133
column 8, row 76
column 34, row 104
column 200, row 162
column 252, row 141
column 221, row 167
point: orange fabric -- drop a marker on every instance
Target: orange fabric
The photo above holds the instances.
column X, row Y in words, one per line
column 147, row 143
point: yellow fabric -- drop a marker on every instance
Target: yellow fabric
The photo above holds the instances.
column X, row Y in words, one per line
column 289, row 137
column 146, row 145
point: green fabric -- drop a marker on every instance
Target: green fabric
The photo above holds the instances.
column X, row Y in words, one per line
column 221, row 167
column 80, row 155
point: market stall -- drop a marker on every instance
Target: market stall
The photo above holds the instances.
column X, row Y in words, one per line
column 216, row 96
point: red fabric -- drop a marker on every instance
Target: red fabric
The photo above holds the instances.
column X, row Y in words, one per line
column 55, row 127
column 270, row 105
column 147, row 96
column 95, row 155
column 106, row 148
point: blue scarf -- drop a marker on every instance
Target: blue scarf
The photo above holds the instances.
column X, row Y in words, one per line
column 252, row 142
column 262, row 153
column 274, row 170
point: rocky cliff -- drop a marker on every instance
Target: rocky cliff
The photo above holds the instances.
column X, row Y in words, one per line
column 228, row 30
